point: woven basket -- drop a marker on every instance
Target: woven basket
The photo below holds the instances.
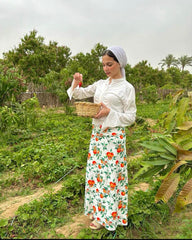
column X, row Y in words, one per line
column 87, row 109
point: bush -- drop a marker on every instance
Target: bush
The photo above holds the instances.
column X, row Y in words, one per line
column 11, row 84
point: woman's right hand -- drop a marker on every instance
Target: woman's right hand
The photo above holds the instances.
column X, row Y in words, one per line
column 78, row 78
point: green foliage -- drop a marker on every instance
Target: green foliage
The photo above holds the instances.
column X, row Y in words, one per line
column 142, row 207
column 149, row 94
column 152, row 110
column 46, row 213
column 57, row 83
column 11, row 84
column 179, row 113
column 89, row 65
column 35, row 59
column 165, row 158
column 185, row 229
column 19, row 115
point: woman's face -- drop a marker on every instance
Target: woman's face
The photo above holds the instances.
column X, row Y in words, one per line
column 111, row 67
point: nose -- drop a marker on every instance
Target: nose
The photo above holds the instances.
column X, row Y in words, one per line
column 105, row 68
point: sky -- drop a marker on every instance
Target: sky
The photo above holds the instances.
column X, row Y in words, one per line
column 146, row 29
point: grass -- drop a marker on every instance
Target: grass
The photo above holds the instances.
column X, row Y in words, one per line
column 151, row 110
column 178, row 227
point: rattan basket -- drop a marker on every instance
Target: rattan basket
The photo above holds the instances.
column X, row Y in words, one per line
column 87, row 109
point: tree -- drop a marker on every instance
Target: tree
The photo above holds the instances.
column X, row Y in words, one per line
column 169, row 61
column 88, row 64
column 35, row 59
column 142, row 74
column 184, row 61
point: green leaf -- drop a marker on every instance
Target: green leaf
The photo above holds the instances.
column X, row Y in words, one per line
column 150, row 172
column 182, row 109
column 153, row 146
column 168, row 146
column 141, row 171
column 157, row 162
column 183, row 138
column 168, row 156
column 170, row 119
column 3, row 222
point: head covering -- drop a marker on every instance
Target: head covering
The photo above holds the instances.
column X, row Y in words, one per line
column 121, row 57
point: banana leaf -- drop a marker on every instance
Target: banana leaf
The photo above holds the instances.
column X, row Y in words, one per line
column 184, row 155
column 148, row 172
column 183, row 138
column 169, row 120
column 185, row 126
column 157, row 162
column 187, row 145
column 176, row 96
column 169, row 157
column 167, row 188
column 153, row 146
column 141, row 171
column 168, row 146
column 176, row 166
column 185, row 196
column 181, row 111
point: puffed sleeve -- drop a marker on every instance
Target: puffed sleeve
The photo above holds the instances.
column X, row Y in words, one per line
column 128, row 115
column 80, row 92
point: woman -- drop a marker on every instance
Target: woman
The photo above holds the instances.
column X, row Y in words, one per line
column 106, row 187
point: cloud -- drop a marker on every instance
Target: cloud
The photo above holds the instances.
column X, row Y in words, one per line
column 146, row 29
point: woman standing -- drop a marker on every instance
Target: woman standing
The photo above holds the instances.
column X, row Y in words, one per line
column 106, row 187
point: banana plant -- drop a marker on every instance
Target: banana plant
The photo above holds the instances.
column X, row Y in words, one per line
column 179, row 112
column 170, row 155
column 170, row 161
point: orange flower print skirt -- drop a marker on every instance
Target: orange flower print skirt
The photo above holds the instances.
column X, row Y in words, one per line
column 106, row 187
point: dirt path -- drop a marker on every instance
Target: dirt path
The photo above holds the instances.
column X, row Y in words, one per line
column 10, row 206
column 73, row 228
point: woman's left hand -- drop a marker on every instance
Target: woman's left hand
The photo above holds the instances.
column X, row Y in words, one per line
column 103, row 112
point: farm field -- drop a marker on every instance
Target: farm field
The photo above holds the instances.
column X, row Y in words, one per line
column 42, row 174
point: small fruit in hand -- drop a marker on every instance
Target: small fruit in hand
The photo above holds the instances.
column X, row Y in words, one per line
column 80, row 84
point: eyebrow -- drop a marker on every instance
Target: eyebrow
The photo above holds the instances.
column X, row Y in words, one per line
column 108, row 62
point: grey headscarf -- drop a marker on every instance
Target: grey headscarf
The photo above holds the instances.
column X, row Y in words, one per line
column 121, row 57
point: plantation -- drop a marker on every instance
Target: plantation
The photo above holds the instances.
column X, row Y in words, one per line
column 43, row 151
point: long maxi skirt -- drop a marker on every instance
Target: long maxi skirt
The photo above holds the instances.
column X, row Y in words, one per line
column 106, row 187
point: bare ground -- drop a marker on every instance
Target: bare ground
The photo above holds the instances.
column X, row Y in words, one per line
column 10, row 206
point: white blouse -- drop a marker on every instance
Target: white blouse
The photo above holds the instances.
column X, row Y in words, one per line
column 119, row 96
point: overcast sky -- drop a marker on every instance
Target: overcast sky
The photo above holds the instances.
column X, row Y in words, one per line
column 146, row 29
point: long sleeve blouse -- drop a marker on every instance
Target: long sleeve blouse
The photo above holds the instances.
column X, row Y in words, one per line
column 119, row 96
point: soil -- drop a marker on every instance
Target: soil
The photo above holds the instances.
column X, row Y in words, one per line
column 73, row 228
column 10, row 206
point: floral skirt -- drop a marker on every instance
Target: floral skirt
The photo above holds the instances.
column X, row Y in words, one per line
column 106, row 187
